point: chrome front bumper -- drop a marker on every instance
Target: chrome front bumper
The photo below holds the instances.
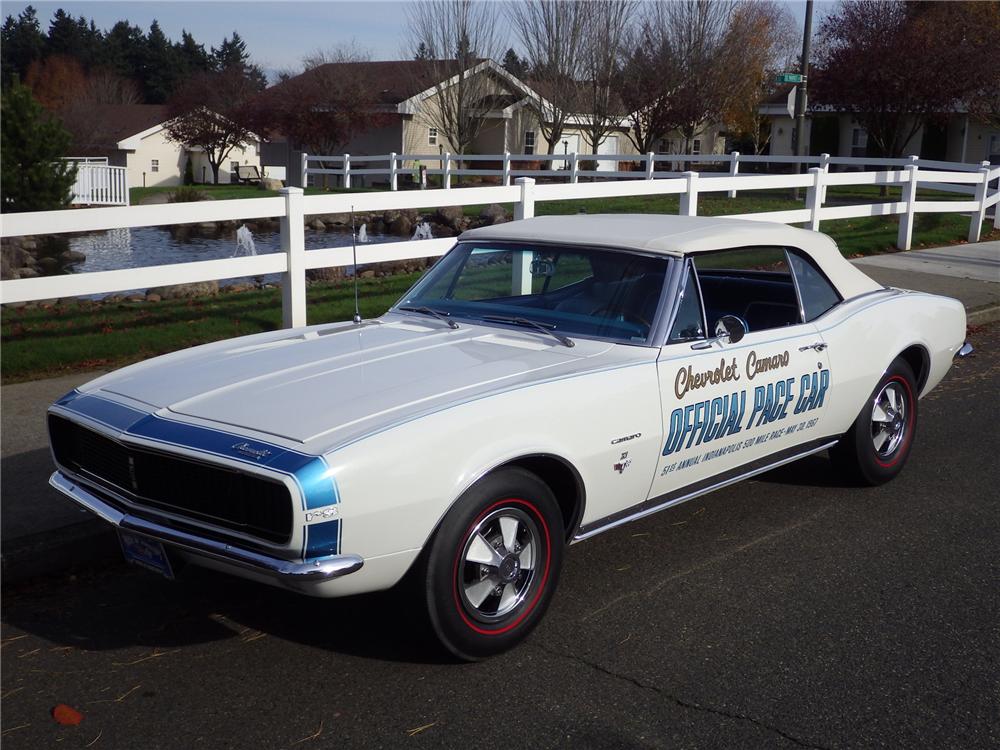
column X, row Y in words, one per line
column 965, row 350
column 315, row 571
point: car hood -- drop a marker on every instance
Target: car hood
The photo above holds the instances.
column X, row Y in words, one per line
column 332, row 384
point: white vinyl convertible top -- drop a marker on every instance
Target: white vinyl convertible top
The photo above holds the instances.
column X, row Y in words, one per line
column 677, row 236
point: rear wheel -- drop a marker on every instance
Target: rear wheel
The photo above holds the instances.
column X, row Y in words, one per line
column 493, row 564
column 876, row 447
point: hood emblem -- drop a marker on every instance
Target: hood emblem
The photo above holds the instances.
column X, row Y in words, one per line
column 249, row 451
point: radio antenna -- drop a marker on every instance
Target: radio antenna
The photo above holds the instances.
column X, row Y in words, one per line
column 354, row 247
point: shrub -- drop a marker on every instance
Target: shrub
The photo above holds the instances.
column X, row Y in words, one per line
column 186, row 194
column 189, row 172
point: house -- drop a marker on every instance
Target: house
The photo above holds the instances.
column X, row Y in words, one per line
column 134, row 136
column 409, row 98
column 958, row 138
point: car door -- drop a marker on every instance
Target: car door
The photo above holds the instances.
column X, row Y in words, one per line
column 730, row 407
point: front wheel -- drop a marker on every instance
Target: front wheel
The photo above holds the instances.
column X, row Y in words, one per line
column 876, row 447
column 493, row 564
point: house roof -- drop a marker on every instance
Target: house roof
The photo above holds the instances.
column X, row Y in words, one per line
column 119, row 121
column 394, row 80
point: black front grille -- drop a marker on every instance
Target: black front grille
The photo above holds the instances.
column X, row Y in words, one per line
column 214, row 494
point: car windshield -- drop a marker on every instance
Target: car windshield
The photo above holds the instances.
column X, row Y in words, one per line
column 611, row 294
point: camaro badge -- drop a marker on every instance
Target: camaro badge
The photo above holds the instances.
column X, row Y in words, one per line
column 623, row 463
column 250, row 452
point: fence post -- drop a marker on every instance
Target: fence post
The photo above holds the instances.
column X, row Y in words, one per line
column 979, row 215
column 824, row 164
column 506, row 167
column 574, row 173
column 347, row 171
column 523, row 209
column 392, row 171
column 447, row 170
column 124, row 178
column 293, row 243
column 904, row 239
column 650, row 165
column 814, row 197
column 689, row 199
column 305, row 170
column 734, row 168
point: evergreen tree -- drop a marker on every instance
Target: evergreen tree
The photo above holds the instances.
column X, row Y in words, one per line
column 515, row 65
column 21, row 43
column 423, row 53
column 161, row 66
column 232, row 55
column 192, row 56
column 124, row 50
column 32, row 175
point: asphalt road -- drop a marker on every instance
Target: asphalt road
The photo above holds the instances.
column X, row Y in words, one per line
column 790, row 611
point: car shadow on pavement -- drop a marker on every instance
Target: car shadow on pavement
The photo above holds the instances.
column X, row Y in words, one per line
column 121, row 607
column 812, row 471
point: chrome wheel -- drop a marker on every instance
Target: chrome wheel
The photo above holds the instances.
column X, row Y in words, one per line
column 889, row 419
column 496, row 567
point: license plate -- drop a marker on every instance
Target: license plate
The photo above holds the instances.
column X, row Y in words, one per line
column 145, row 552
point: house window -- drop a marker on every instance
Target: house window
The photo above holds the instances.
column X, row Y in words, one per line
column 154, row 165
column 432, row 136
column 529, row 141
column 859, row 142
column 696, row 146
column 665, row 146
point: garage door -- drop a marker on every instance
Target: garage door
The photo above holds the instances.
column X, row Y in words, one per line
column 608, row 146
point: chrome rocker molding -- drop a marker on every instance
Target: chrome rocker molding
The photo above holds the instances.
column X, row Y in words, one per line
column 668, row 501
column 316, row 571
column 965, row 350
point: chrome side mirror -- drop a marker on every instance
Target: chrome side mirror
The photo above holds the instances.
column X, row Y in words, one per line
column 729, row 329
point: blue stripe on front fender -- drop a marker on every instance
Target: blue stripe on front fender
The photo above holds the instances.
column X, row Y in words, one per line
column 322, row 539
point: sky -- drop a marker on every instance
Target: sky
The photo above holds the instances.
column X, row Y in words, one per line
column 278, row 34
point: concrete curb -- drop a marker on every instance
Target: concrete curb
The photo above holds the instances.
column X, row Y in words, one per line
column 982, row 315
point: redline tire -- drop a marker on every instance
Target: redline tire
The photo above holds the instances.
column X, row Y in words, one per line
column 493, row 564
column 876, row 447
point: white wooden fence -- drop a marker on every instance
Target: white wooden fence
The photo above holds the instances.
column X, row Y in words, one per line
column 568, row 166
column 100, row 185
column 293, row 206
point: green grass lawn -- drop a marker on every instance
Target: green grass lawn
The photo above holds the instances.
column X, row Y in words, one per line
column 43, row 342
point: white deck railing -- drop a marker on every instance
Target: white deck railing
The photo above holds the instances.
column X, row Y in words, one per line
column 100, row 185
column 293, row 206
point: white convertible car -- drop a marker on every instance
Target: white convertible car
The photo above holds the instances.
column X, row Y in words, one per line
column 546, row 380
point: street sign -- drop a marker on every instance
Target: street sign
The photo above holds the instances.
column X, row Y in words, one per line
column 790, row 78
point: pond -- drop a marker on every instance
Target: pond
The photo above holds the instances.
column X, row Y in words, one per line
column 116, row 249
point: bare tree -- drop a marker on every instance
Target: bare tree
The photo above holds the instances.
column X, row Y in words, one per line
column 695, row 35
column 762, row 41
column 607, row 26
column 455, row 36
column 552, row 32
column 322, row 108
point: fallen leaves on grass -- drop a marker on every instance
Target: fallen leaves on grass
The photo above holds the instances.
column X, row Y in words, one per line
column 66, row 715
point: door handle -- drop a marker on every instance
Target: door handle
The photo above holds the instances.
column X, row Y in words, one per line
column 818, row 346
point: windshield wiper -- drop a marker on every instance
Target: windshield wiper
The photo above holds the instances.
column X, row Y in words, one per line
column 442, row 316
column 531, row 324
